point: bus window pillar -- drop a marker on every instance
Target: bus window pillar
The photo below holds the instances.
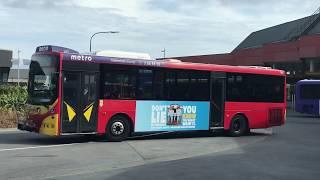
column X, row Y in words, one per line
column 311, row 67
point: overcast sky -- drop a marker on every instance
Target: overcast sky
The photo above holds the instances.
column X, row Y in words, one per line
column 183, row 27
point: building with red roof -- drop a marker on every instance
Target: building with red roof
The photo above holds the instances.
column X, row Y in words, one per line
column 292, row 46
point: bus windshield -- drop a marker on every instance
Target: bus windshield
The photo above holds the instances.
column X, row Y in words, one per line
column 43, row 79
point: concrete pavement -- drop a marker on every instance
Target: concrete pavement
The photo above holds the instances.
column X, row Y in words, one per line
column 26, row 155
column 291, row 152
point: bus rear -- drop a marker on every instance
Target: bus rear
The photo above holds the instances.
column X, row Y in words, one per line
column 42, row 108
column 308, row 97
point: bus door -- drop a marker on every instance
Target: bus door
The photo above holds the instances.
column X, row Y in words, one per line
column 217, row 96
column 79, row 102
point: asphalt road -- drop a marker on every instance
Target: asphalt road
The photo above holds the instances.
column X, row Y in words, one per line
column 288, row 152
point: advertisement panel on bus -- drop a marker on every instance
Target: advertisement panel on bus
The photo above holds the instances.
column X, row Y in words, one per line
column 171, row 116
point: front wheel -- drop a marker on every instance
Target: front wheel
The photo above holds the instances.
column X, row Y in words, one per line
column 238, row 126
column 118, row 129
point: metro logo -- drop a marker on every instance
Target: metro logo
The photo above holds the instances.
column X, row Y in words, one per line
column 80, row 58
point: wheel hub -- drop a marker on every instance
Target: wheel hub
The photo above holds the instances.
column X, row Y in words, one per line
column 117, row 128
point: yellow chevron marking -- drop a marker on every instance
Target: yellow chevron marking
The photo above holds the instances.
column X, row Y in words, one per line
column 88, row 111
column 71, row 112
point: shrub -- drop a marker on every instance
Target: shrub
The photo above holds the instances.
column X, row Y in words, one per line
column 12, row 101
column 13, row 97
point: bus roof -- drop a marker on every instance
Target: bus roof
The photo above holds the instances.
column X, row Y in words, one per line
column 309, row 81
column 72, row 55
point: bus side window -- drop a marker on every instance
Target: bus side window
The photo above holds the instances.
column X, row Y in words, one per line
column 254, row 88
column 199, row 89
column 187, row 85
column 158, row 84
column 310, row 91
column 119, row 84
column 170, row 83
column 145, row 84
column 182, row 89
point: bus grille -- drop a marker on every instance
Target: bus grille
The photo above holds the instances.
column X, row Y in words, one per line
column 275, row 117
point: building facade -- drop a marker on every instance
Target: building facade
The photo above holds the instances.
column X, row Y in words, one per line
column 19, row 71
column 293, row 46
column 5, row 64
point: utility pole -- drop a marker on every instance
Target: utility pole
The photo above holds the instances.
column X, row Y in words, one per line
column 19, row 67
column 164, row 53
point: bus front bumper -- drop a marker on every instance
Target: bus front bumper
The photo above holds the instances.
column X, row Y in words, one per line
column 24, row 126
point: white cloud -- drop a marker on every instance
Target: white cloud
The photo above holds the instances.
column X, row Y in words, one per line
column 125, row 8
column 184, row 27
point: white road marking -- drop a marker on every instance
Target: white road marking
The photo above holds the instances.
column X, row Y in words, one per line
column 154, row 134
column 4, row 130
column 37, row 147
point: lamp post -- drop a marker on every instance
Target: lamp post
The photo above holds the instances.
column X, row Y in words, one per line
column 102, row 32
column 19, row 67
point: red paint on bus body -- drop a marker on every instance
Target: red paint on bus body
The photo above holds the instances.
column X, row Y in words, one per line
column 223, row 68
column 109, row 108
column 257, row 113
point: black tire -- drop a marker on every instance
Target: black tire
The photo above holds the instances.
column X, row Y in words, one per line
column 248, row 132
column 118, row 129
column 238, row 126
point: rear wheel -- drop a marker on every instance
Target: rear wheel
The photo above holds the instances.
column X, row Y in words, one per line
column 118, row 128
column 238, row 126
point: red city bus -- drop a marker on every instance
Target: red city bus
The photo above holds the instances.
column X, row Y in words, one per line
column 72, row 93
